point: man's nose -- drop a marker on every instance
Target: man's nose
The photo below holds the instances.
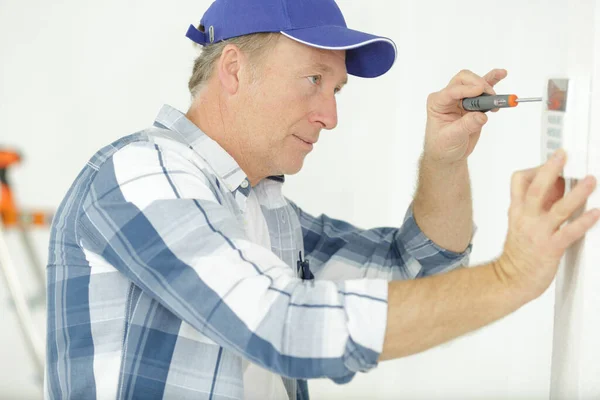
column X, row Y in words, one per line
column 327, row 112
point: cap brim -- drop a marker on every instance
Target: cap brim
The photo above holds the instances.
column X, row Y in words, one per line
column 367, row 56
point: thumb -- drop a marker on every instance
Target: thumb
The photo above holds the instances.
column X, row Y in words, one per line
column 468, row 124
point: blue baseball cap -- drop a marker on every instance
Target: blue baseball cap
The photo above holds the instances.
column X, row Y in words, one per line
column 316, row 23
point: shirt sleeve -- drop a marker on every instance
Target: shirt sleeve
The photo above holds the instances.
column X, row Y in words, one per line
column 159, row 219
column 338, row 250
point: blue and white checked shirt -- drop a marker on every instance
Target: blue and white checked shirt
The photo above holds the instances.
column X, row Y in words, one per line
column 159, row 284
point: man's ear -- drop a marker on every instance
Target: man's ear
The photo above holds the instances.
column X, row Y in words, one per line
column 229, row 68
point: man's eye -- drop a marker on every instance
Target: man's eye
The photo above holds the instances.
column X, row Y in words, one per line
column 315, row 79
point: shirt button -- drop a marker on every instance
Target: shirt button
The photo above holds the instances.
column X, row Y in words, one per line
column 244, row 184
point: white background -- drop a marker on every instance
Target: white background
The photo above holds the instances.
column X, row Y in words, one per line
column 75, row 75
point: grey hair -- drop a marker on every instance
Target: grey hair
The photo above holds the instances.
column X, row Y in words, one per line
column 254, row 45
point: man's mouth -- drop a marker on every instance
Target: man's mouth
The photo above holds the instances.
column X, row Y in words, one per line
column 307, row 141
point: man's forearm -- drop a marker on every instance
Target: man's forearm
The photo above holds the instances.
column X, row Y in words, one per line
column 426, row 312
column 443, row 206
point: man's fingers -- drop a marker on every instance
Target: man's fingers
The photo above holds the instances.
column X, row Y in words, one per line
column 520, row 181
column 468, row 84
column 495, row 76
column 544, row 180
column 555, row 194
column 575, row 230
column 466, row 77
column 450, row 95
column 565, row 207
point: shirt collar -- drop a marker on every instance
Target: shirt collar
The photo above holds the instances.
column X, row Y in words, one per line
column 223, row 164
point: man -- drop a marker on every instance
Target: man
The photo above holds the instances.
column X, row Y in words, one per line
column 178, row 270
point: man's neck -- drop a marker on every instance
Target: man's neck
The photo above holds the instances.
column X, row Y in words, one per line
column 214, row 119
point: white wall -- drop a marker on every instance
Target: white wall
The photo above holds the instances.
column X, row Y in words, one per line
column 78, row 74
column 575, row 365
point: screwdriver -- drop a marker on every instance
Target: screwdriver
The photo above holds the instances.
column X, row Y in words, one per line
column 487, row 102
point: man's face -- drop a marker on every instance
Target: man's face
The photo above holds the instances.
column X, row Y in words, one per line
column 292, row 99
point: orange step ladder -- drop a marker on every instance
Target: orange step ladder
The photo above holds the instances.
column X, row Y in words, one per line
column 13, row 218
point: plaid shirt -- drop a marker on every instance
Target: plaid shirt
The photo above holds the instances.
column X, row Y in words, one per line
column 156, row 290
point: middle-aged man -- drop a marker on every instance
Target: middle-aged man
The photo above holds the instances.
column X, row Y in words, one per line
column 178, row 270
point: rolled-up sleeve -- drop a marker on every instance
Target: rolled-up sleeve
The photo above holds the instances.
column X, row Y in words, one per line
column 157, row 219
column 339, row 250
column 432, row 258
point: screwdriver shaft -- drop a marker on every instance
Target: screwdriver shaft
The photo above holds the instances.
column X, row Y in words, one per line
column 528, row 99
